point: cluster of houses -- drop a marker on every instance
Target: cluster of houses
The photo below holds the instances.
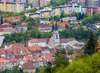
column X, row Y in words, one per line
column 36, row 53
column 48, row 11
column 6, row 28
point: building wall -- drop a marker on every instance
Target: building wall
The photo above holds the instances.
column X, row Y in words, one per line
column 46, row 14
column 42, row 2
column 36, row 3
column 1, row 7
column 29, row 70
column 57, row 11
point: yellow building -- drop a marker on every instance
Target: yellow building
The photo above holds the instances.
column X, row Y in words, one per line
column 46, row 14
column 11, row 7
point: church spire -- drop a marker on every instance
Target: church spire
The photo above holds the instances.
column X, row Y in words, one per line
column 56, row 28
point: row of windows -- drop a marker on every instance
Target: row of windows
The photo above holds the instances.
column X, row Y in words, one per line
column 20, row 1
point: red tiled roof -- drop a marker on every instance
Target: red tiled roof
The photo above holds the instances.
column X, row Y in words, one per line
column 2, row 64
column 34, row 40
column 48, row 56
column 23, row 23
column 77, row 26
column 1, row 30
column 13, row 19
column 29, row 65
column 10, row 29
column 28, row 57
column 37, row 48
column 68, row 40
column 63, row 23
column 6, row 24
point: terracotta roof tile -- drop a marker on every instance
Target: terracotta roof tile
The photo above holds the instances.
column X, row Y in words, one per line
column 28, row 57
column 1, row 30
column 29, row 65
column 2, row 64
column 6, row 24
column 34, row 40
column 23, row 23
column 37, row 48
column 67, row 40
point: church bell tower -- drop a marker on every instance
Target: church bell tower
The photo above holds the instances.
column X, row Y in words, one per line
column 56, row 36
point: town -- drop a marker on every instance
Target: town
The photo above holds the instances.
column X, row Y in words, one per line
column 49, row 36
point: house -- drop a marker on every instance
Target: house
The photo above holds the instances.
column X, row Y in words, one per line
column 45, row 29
column 73, row 21
column 28, row 57
column 13, row 19
column 10, row 30
column 68, row 18
column 52, row 42
column 27, row 8
column 21, row 28
column 76, row 26
column 29, row 67
column 45, row 50
column 1, row 40
column 97, row 25
column 6, row 26
column 91, row 26
column 2, row 66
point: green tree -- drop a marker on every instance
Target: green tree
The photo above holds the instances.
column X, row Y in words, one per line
column 91, row 44
column 60, row 62
column 70, row 52
column 1, row 21
column 51, row 1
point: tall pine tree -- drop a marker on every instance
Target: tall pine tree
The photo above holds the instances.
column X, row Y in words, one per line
column 91, row 44
column 1, row 21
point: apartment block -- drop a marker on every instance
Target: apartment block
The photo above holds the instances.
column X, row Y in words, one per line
column 11, row 7
column 95, row 3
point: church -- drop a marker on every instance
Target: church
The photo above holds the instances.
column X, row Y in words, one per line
column 52, row 42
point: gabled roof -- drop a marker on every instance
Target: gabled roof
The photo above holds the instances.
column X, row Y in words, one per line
column 10, row 29
column 33, row 40
column 36, row 48
column 67, row 40
column 2, row 64
column 1, row 30
column 23, row 23
column 6, row 24
column 29, row 65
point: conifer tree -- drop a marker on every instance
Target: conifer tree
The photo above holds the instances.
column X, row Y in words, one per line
column 91, row 44
column 1, row 21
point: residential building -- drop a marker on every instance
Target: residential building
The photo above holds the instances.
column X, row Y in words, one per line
column 6, row 26
column 13, row 19
column 51, row 42
column 95, row 3
column 11, row 7
column 21, row 28
column 29, row 67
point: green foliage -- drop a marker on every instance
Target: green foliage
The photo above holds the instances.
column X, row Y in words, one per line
column 18, row 37
column 79, row 33
column 41, row 7
column 91, row 19
column 15, row 70
column 91, row 44
column 67, row 15
column 70, row 52
column 51, row 21
column 89, row 64
column 6, row 21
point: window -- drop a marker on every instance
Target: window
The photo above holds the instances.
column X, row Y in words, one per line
column 14, row 0
column 26, row 1
column 56, row 36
